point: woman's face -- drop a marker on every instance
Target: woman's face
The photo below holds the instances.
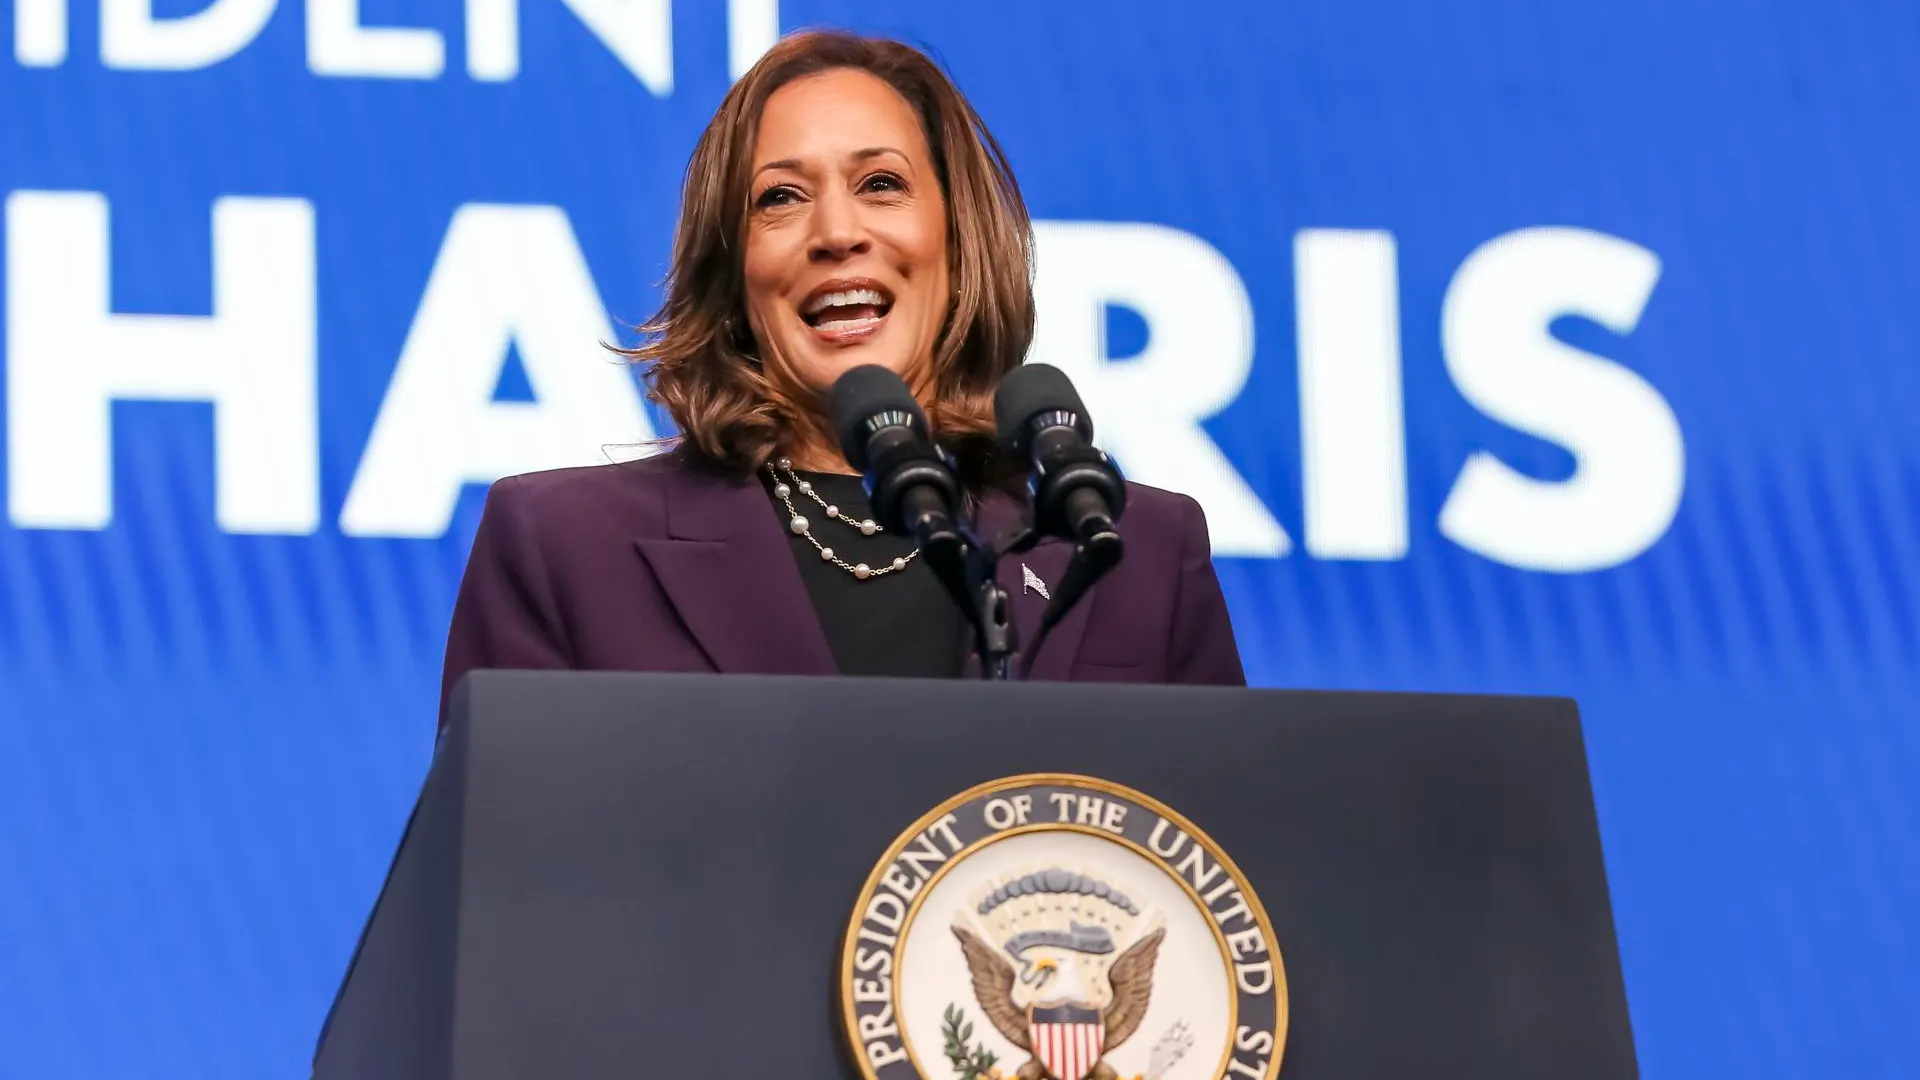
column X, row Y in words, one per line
column 846, row 250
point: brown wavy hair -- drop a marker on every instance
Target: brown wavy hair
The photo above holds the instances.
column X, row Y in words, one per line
column 703, row 365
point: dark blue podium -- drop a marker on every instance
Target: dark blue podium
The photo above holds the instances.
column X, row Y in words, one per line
column 619, row 875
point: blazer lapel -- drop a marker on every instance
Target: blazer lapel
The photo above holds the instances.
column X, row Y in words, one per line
column 1047, row 563
column 728, row 571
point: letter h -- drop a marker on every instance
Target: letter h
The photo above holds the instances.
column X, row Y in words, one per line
column 69, row 357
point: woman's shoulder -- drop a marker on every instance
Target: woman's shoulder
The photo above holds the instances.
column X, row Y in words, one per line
column 1161, row 517
column 629, row 494
column 633, row 494
column 589, row 482
column 1159, row 503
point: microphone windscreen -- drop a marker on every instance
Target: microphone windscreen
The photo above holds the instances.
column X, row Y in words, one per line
column 861, row 395
column 1030, row 390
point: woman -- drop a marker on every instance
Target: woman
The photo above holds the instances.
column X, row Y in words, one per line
column 845, row 206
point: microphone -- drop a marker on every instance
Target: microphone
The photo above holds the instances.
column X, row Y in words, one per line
column 883, row 433
column 1077, row 491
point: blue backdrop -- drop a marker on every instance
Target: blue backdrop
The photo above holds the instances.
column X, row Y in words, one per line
column 1512, row 346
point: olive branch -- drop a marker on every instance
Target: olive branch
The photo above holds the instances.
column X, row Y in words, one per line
column 970, row 1061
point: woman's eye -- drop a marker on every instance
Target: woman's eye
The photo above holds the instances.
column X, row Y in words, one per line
column 779, row 195
column 883, row 182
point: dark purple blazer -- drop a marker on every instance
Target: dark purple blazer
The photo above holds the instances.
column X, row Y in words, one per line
column 663, row 565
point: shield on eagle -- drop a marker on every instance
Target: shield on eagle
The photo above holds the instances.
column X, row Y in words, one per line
column 1068, row 1040
column 1043, row 949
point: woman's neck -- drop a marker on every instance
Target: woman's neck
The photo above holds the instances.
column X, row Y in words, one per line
column 809, row 455
column 812, row 445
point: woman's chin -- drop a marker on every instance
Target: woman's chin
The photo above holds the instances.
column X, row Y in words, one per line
column 831, row 362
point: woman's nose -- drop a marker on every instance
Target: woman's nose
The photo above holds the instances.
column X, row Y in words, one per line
column 838, row 228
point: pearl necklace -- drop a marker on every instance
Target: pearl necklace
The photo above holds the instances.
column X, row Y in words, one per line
column 783, row 488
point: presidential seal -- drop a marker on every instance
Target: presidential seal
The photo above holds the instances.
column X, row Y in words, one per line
column 1057, row 927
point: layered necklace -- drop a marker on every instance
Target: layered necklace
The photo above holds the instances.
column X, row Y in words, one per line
column 786, row 482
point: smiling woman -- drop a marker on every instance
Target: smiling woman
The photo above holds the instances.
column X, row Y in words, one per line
column 846, row 206
column 877, row 223
column 825, row 204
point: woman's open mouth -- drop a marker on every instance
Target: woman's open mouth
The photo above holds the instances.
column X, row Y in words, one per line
column 845, row 312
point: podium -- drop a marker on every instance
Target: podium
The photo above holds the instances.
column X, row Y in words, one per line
column 620, row 875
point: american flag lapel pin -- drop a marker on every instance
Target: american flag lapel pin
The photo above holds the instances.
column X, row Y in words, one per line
column 1030, row 582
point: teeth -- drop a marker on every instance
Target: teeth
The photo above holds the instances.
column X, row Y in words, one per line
column 848, row 298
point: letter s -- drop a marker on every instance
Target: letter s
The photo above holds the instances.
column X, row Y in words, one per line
column 1253, row 1042
column 872, row 960
column 1630, row 463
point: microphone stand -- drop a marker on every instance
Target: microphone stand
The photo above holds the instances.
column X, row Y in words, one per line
column 969, row 570
column 966, row 568
column 994, row 634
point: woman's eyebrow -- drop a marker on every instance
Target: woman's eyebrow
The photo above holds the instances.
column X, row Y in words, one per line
column 858, row 155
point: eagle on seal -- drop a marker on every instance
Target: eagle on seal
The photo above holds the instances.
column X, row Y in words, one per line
column 1046, row 970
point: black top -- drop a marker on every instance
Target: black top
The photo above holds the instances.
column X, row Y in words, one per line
column 900, row 623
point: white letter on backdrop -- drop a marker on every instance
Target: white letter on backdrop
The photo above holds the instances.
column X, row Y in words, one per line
column 1630, row 462
column 130, row 37
column 1147, row 409
column 752, row 28
column 40, row 32
column 493, row 40
column 505, row 276
column 338, row 45
column 638, row 32
column 69, row 358
column 1352, row 423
